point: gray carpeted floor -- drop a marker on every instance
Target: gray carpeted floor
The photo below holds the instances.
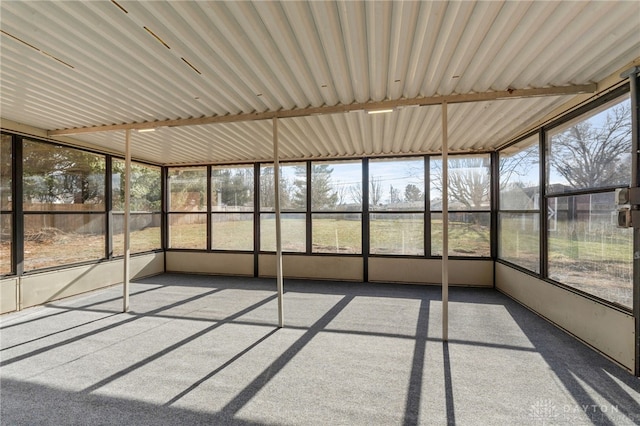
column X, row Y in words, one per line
column 205, row 350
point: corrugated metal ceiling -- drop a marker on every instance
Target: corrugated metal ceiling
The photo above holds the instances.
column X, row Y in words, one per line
column 79, row 64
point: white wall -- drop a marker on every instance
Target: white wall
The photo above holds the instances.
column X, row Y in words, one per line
column 39, row 288
column 8, row 295
column 210, row 263
column 608, row 330
column 471, row 272
column 339, row 268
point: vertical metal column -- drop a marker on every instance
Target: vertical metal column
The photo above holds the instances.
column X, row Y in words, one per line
column 495, row 207
column 634, row 84
column 308, row 215
column 164, row 219
column 18, row 209
column 209, row 198
column 108, row 189
column 276, row 185
column 256, row 220
column 428, row 245
column 543, row 204
column 17, row 230
column 127, row 208
column 366, row 238
column 445, row 224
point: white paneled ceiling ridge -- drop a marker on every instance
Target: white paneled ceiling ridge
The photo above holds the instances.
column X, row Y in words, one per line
column 67, row 65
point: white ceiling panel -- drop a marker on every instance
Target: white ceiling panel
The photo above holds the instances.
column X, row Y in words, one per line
column 70, row 65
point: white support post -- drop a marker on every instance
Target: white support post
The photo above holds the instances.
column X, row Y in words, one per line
column 445, row 225
column 276, row 185
column 127, row 207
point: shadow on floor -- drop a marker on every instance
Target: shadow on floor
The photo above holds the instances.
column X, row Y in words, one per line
column 593, row 381
column 587, row 376
column 27, row 404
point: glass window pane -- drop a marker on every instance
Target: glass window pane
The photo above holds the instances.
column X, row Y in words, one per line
column 6, row 241
column 397, row 233
column 468, row 234
column 469, row 182
column 520, row 176
column 188, row 231
column 519, row 241
column 60, row 239
column 593, row 151
column 146, row 193
column 336, row 186
column 396, row 184
column 586, row 248
column 337, row 233
column 57, row 178
column 232, row 231
column 6, row 169
column 146, row 232
column 293, row 187
column 232, row 188
column 294, row 231
column 188, row 189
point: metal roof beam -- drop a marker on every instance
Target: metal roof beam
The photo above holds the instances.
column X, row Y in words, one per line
column 388, row 104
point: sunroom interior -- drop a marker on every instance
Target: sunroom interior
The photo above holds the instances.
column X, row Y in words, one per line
column 511, row 124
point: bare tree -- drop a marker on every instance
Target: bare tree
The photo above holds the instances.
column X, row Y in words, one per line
column 267, row 189
column 394, row 195
column 518, row 164
column 375, row 191
column 469, row 181
column 590, row 156
column 341, row 193
column 355, row 193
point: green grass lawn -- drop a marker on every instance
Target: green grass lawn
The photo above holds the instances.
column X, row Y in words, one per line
column 331, row 235
column 140, row 241
column 600, row 263
column 465, row 239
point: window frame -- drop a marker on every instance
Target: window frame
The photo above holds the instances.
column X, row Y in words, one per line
column 542, row 132
column 170, row 212
column 527, row 212
column 487, row 211
column 267, row 210
column 311, row 211
column 252, row 211
column 10, row 211
column 24, row 213
column 113, row 212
